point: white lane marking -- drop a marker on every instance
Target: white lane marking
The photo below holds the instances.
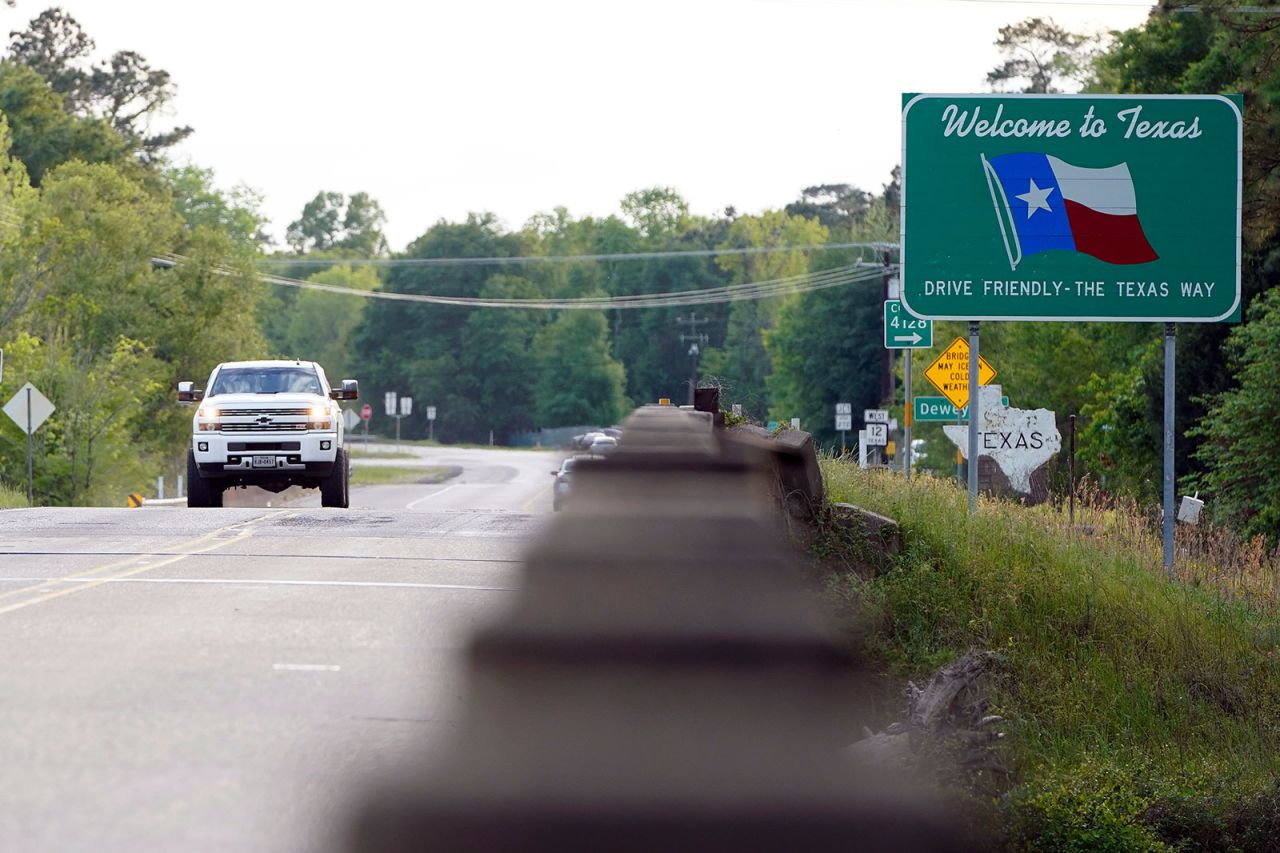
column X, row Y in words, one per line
column 273, row 582
column 412, row 504
column 306, row 667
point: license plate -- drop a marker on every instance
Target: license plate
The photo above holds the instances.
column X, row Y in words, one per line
column 264, row 462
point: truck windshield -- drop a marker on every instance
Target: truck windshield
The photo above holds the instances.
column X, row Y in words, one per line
column 265, row 380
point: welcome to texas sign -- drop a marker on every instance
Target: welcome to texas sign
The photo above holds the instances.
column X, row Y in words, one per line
column 1071, row 207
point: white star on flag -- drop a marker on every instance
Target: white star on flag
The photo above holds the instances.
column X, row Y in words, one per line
column 1036, row 198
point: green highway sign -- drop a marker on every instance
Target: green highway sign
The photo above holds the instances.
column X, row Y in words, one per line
column 902, row 330
column 940, row 409
column 1123, row 208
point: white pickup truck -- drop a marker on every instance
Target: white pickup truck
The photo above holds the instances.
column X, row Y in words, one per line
column 271, row 424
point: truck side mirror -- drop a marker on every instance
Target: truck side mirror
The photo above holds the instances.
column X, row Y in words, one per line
column 188, row 393
column 350, row 391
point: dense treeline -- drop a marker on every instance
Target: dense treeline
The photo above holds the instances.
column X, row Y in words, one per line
column 86, row 200
column 89, row 197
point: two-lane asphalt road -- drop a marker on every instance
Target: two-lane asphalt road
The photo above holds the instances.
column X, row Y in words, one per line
column 182, row 679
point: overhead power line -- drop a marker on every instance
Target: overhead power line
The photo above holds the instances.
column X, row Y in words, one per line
column 729, row 293
column 560, row 259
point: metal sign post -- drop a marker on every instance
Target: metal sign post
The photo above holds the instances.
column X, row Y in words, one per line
column 877, row 423
column 844, row 422
column 906, row 421
column 30, row 478
column 406, row 409
column 974, row 415
column 29, row 409
column 1170, row 340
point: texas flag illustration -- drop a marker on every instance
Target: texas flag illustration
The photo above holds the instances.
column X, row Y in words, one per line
column 1051, row 204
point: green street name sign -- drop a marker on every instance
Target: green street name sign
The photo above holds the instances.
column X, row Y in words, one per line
column 1071, row 207
column 902, row 330
column 940, row 409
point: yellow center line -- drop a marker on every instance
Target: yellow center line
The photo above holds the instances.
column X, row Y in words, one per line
column 91, row 578
column 524, row 507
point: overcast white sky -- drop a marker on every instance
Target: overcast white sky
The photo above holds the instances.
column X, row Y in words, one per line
column 519, row 106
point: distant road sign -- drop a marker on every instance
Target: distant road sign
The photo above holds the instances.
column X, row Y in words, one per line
column 406, row 406
column 877, row 435
column 366, row 412
column 844, row 422
column 875, row 416
column 350, row 418
column 28, row 401
column 1122, row 208
column 940, row 409
column 904, row 330
column 431, row 413
column 844, row 408
column 389, row 401
column 795, row 423
column 950, row 372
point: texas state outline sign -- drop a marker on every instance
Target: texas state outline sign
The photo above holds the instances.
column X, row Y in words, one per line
column 1119, row 208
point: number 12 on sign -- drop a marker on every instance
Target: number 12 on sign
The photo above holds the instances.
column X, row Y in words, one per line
column 904, row 330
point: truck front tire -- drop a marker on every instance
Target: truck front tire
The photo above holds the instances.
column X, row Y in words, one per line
column 201, row 492
column 335, row 491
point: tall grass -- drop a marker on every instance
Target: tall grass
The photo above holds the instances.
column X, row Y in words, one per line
column 11, row 498
column 1105, row 662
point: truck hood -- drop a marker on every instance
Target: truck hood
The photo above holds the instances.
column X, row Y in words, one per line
column 258, row 401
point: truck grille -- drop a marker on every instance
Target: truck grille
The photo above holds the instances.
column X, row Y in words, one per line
column 299, row 426
column 270, row 413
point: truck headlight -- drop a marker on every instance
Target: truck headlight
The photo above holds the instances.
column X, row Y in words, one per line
column 318, row 412
column 210, row 412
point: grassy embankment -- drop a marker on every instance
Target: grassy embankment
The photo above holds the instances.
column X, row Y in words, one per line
column 1141, row 714
column 359, row 452
column 388, row 475
column 11, row 498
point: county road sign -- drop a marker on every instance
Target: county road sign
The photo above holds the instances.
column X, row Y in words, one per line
column 1071, row 207
column 902, row 330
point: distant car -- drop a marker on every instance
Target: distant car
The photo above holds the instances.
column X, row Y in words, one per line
column 586, row 439
column 563, row 483
column 603, row 446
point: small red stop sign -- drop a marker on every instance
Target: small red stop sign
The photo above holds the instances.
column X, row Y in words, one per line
column 366, row 411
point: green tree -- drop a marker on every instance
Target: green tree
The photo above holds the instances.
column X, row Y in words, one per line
column 655, row 211
column 742, row 365
column 44, row 135
column 416, row 349
column 828, row 346
column 321, row 325
column 1040, row 56
column 839, row 207
column 124, row 91
column 105, row 334
column 825, row 350
column 332, row 221
column 1241, row 430
column 579, row 382
column 501, row 372
column 1211, row 50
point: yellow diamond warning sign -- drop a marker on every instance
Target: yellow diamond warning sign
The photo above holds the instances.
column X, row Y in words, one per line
column 950, row 372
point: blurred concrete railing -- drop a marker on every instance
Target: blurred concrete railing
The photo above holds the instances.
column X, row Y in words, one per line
column 664, row 682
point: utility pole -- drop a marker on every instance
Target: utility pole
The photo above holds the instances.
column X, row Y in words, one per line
column 695, row 340
column 887, row 391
